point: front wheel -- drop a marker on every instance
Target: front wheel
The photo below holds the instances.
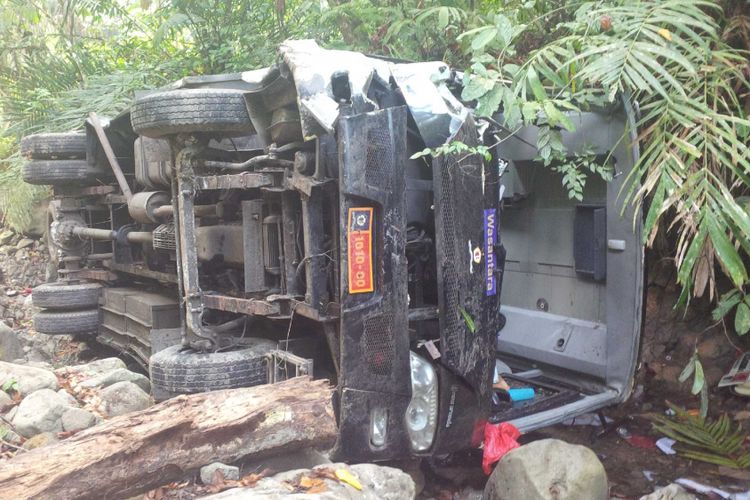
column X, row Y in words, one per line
column 181, row 370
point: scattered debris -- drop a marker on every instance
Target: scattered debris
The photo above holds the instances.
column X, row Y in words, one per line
column 499, row 439
column 347, row 477
column 670, row 492
column 665, row 445
column 640, row 441
column 703, row 489
column 739, row 374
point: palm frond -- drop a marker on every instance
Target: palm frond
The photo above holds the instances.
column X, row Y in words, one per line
column 713, row 441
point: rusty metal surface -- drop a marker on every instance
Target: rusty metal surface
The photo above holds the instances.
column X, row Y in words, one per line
column 246, row 180
column 97, row 190
column 140, row 270
column 95, row 274
column 238, row 305
column 329, row 312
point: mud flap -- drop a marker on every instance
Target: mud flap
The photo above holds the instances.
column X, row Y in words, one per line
column 375, row 372
column 470, row 261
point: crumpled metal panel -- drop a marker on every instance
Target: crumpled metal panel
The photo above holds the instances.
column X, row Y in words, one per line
column 437, row 112
column 313, row 67
column 435, row 109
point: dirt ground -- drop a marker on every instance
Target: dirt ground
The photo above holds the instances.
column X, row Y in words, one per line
column 670, row 337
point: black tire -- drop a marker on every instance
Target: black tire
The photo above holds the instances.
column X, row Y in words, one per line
column 61, row 295
column 181, row 370
column 58, row 172
column 191, row 110
column 84, row 322
column 54, row 146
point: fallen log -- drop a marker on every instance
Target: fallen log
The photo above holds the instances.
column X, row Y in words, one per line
column 137, row 452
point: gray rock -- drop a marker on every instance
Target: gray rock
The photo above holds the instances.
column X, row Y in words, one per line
column 11, row 346
column 548, row 469
column 69, row 399
column 468, row 493
column 11, row 414
column 40, row 364
column 23, row 243
column 39, row 412
column 5, row 236
column 378, row 483
column 208, row 472
column 41, row 439
column 123, row 397
column 95, row 368
column 29, row 378
column 672, row 492
column 77, row 419
column 118, row 375
column 5, row 401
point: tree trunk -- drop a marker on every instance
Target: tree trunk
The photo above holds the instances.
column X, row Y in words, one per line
column 139, row 451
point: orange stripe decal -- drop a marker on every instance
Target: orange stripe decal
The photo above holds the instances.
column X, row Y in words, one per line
column 360, row 250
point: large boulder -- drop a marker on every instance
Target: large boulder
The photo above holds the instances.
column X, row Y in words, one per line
column 39, row 412
column 28, row 378
column 118, row 375
column 124, row 397
column 548, row 469
column 378, row 483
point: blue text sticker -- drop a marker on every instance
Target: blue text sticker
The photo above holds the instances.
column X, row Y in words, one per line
column 490, row 239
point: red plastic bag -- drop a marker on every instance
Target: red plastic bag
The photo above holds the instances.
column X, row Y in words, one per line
column 499, row 439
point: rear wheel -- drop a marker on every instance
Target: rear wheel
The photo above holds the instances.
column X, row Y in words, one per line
column 84, row 322
column 54, row 146
column 59, row 172
column 61, row 295
column 191, row 110
column 181, row 370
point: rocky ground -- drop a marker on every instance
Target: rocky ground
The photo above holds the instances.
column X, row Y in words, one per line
column 56, row 386
column 41, row 405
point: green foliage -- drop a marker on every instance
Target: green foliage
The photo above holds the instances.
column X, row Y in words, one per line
column 10, row 385
column 455, row 148
column 695, row 368
column 61, row 60
column 673, row 58
column 713, row 441
column 468, row 320
column 734, row 300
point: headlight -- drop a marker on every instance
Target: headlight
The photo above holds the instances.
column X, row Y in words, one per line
column 421, row 415
column 378, row 426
